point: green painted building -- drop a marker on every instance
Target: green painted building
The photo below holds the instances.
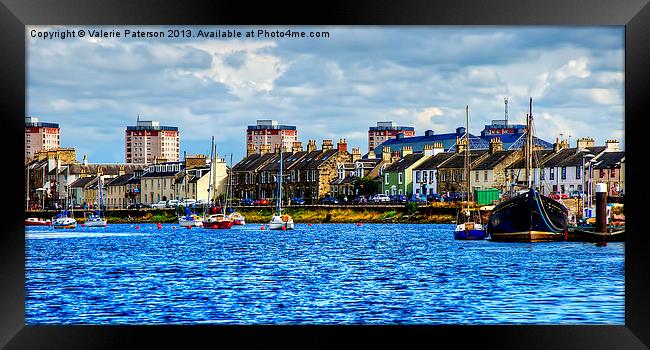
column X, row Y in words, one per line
column 398, row 177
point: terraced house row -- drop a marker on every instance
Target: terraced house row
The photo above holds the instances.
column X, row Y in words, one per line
column 560, row 169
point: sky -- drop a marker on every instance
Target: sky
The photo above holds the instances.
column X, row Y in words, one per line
column 329, row 88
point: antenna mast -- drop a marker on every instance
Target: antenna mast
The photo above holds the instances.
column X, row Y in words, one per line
column 505, row 101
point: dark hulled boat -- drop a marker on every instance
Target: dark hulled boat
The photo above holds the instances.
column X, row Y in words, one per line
column 528, row 217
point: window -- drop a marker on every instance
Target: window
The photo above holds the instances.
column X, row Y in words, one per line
column 399, row 178
column 563, row 173
column 476, row 177
column 485, row 175
column 386, row 178
column 417, row 176
column 613, row 172
column 542, row 173
column 552, row 174
column 431, row 175
column 602, row 173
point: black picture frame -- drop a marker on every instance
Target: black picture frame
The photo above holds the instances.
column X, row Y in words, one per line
column 633, row 14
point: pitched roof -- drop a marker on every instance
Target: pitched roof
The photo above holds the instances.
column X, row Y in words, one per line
column 161, row 174
column 458, row 159
column 252, row 162
column 120, row 180
column 344, row 181
column 576, row 159
column 609, row 159
column 493, row 160
column 418, row 142
column 404, row 162
column 83, row 181
column 434, row 161
column 539, row 156
column 107, row 168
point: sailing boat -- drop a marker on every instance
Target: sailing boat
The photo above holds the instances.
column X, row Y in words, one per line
column 189, row 219
column 529, row 216
column 96, row 219
column 468, row 230
column 63, row 220
column 215, row 220
column 280, row 221
column 237, row 218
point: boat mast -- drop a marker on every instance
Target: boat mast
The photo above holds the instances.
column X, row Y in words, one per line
column 210, row 171
column 230, row 180
column 529, row 143
column 99, row 185
column 67, row 189
column 278, row 201
column 467, row 163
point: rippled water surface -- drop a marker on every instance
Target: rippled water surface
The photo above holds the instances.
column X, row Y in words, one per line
column 320, row 274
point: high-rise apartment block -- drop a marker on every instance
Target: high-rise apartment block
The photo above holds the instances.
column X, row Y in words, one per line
column 385, row 131
column 268, row 132
column 40, row 136
column 148, row 140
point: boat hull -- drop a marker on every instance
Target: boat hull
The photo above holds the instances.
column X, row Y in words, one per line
column 189, row 223
column 528, row 217
column 69, row 223
column 96, row 223
column 225, row 224
column 280, row 225
column 239, row 222
column 37, row 223
column 578, row 234
column 470, row 234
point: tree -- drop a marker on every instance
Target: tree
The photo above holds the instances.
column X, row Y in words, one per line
column 366, row 186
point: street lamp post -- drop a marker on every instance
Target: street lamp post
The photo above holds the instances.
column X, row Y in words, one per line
column 582, row 194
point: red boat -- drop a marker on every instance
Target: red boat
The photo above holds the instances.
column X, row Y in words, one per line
column 217, row 221
column 37, row 222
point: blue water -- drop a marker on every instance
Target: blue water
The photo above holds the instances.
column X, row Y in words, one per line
column 323, row 274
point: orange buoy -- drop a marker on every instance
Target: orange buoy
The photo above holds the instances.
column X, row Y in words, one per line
column 284, row 228
column 189, row 227
column 137, row 227
column 159, row 225
column 309, row 224
column 83, row 225
column 262, row 228
column 358, row 224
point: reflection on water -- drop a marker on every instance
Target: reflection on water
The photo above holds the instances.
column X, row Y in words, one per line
column 320, row 274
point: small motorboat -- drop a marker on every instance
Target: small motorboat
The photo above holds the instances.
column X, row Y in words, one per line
column 281, row 222
column 94, row 220
column 190, row 221
column 218, row 221
column 37, row 222
column 469, row 231
column 237, row 218
column 64, row 221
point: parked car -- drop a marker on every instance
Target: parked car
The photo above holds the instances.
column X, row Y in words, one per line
column 398, row 198
column 173, row 203
column 187, row 202
column 75, row 206
column 556, row 196
column 159, row 205
column 329, row 200
column 245, row 201
column 380, row 198
column 576, row 194
column 261, row 201
column 138, row 206
column 360, row 200
column 454, row 197
column 297, row 201
column 418, row 198
column 436, row 197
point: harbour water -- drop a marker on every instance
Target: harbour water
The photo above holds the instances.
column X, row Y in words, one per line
column 319, row 274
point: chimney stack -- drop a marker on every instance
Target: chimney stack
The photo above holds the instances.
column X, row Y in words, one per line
column 611, row 146
column 406, row 150
column 495, row 145
column 296, row 147
column 264, row 149
column 85, row 161
column 250, row 149
column 277, row 149
column 356, row 154
column 327, row 145
column 342, row 146
column 385, row 154
column 460, row 144
column 311, row 145
column 585, row 142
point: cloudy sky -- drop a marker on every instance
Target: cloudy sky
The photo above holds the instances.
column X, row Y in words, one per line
column 329, row 88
